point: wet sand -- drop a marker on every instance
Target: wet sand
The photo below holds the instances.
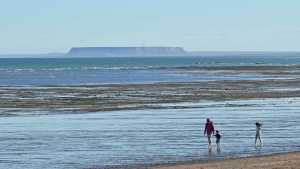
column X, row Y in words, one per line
column 279, row 161
column 94, row 98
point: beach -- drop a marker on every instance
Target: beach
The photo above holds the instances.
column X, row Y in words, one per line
column 85, row 115
column 277, row 161
column 149, row 84
column 145, row 137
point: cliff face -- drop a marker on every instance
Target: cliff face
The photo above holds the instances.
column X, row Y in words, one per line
column 126, row 51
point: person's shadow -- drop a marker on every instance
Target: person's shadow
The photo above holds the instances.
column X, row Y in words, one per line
column 258, row 148
column 210, row 151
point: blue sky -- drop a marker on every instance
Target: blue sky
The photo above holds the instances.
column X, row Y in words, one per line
column 41, row 26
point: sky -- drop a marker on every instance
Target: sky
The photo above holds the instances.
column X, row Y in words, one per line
column 35, row 26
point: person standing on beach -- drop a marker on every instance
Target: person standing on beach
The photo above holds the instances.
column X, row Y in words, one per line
column 258, row 132
column 218, row 138
column 209, row 130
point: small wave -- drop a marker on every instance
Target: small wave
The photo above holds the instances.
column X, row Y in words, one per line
column 116, row 68
column 86, row 68
column 60, row 69
column 11, row 70
column 129, row 67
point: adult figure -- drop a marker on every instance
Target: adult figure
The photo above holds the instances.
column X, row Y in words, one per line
column 209, row 130
column 258, row 132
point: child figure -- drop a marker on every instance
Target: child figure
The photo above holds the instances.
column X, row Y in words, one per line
column 258, row 132
column 218, row 138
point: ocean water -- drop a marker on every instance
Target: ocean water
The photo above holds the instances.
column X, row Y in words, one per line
column 106, row 139
column 134, row 137
column 83, row 71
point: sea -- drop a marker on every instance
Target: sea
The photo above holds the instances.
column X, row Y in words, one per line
column 93, row 71
column 141, row 137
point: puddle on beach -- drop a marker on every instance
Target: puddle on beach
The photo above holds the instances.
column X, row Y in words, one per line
column 147, row 136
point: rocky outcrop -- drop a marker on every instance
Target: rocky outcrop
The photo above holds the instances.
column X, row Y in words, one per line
column 126, row 51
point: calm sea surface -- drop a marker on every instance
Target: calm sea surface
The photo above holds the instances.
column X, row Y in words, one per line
column 147, row 136
column 82, row 71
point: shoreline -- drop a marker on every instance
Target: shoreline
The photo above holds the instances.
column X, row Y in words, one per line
column 270, row 161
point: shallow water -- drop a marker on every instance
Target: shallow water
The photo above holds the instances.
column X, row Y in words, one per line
column 82, row 71
column 147, row 136
column 106, row 76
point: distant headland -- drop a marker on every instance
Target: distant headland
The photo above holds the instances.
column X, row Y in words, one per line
column 142, row 51
column 126, row 51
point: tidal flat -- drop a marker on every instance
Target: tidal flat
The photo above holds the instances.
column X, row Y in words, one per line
column 271, row 82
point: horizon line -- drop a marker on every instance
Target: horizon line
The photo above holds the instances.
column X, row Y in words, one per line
column 188, row 51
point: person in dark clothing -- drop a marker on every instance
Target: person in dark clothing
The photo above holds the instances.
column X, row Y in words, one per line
column 218, row 138
column 258, row 132
column 209, row 130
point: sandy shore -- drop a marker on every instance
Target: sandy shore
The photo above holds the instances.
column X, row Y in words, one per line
column 279, row 161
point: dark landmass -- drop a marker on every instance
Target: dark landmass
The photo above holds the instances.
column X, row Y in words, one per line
column 169, row 51
column 126, row 51
column 150, row 52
